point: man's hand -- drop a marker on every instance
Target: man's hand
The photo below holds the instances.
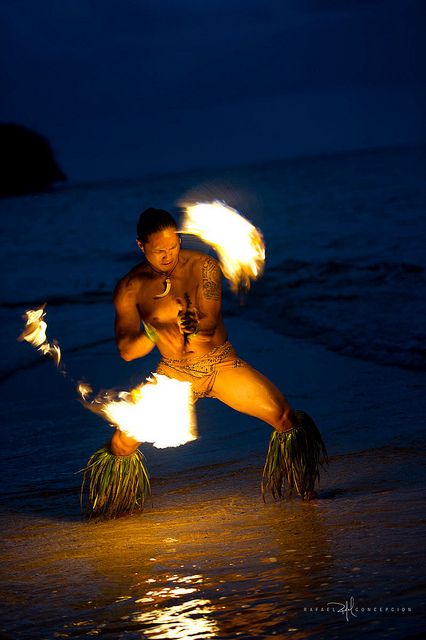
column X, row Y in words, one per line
column 188, row 320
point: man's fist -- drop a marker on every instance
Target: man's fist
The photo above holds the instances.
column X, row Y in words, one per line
column 188, row 321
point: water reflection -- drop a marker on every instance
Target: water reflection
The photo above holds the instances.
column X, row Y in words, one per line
column 188, row 619
column 229, row 570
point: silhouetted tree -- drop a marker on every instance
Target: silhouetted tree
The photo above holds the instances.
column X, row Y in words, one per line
column 27, row 162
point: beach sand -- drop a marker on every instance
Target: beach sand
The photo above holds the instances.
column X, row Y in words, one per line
column 209, row 559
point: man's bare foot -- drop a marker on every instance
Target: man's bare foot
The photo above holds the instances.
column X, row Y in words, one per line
column 310, row 495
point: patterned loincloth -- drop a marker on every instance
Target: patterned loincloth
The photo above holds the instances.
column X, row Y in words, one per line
column 201, row 371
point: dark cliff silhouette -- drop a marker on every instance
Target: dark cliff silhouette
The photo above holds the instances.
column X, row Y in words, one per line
column 27, row 162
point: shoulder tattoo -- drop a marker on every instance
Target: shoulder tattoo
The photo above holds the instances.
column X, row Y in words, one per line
column 211, row 279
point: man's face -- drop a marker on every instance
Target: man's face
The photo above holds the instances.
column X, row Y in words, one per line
column 162, row 249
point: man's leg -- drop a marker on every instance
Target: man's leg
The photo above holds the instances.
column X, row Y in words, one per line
column 122, row 445
column 248, row 391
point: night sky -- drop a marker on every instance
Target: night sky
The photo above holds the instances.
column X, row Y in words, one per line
column 129, row 88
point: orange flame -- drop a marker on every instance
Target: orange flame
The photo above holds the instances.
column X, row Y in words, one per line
column 158, row 411
column 35, row 334
column 238, row 244
column 84, row 389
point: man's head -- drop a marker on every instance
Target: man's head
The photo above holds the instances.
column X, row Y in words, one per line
column 157, row 238
column 152, row 220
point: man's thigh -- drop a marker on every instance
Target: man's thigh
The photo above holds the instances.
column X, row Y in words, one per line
column 248, row 391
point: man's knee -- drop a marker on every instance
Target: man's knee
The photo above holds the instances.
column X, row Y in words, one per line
column 122, row 445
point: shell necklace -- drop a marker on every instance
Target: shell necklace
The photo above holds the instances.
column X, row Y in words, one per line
column 166, row 283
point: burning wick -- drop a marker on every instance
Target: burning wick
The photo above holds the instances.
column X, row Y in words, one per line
column 239, row 245
column 159, row 411
column 35, row 334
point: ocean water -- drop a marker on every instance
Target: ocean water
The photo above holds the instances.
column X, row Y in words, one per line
column 345, row 239
column 345, row 275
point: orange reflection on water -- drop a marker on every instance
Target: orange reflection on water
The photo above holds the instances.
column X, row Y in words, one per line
column 177, row 621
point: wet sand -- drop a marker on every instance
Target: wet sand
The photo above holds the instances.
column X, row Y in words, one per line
column 211, row 560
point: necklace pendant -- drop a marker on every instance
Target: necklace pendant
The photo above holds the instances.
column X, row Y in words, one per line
column 167, row 287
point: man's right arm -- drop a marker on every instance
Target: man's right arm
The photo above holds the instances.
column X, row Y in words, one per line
column 131, row 342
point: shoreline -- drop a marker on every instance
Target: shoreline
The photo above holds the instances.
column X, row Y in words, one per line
column 211, row 559
column 210, row 550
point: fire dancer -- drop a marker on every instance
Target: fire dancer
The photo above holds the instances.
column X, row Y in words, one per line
column 172, row 300
column 176, row 296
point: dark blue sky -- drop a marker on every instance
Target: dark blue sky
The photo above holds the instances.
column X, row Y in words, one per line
column 126, row 88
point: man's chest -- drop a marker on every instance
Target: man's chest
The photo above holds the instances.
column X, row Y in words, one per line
column 161, row 301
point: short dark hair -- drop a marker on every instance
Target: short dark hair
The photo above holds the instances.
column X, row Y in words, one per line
column 152, row 220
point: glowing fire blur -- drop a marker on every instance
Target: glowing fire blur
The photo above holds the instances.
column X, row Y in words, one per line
column 158, row 411
column 84, row 390
column 35, row 333
column 238, row 244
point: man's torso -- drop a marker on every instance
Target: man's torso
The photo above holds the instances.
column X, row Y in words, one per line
column 162, row 312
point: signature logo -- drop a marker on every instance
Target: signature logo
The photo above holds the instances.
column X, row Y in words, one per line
column 346, row 608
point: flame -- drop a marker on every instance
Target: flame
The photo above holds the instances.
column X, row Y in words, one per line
column 158, row 411
column 84, row 389
column 238, row 244
column 35, row 333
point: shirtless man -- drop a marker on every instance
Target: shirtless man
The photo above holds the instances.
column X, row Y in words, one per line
column 172, row 301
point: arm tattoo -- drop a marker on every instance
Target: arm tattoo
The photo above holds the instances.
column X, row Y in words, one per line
column 211, row 280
